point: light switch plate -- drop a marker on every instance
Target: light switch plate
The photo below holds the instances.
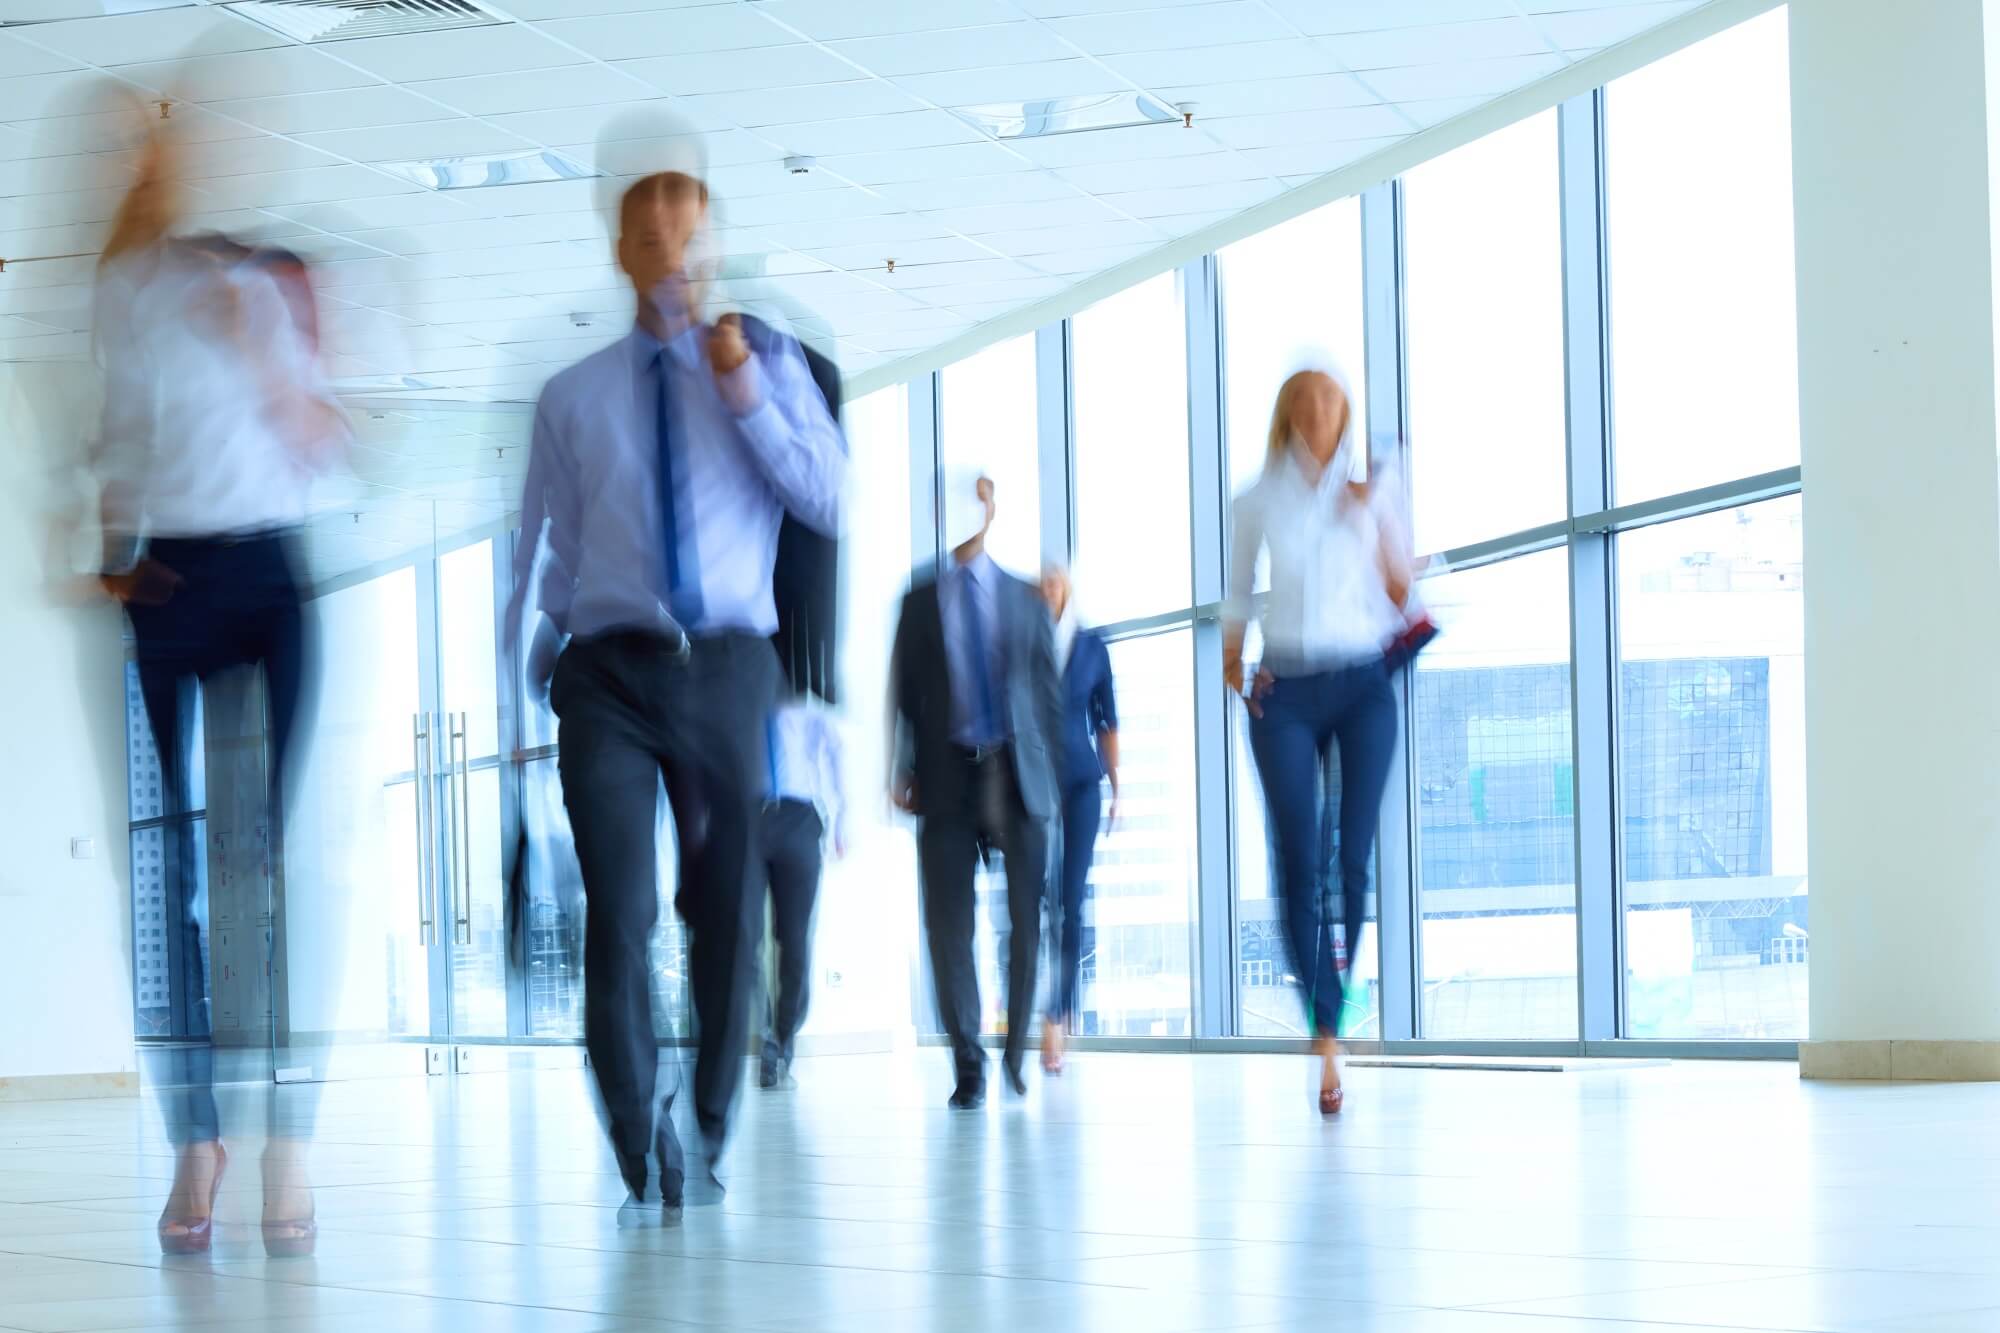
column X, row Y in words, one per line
column 82, row 849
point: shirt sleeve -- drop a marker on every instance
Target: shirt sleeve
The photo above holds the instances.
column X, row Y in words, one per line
column 549, row 520
column 1104, row 699
column 832, row 790
column 794, row 440
column 120, row 459
column 1246, row 539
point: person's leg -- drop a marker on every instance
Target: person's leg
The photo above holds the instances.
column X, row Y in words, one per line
column 1024, row 849
column 794, row 866
column 713, row 740
column 947, row 844
column 1083, row 809
column 610, row 780
column 1285, row 745
column 1365, row 730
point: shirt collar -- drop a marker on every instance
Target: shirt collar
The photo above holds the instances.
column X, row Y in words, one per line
column 685, row 348
column 980, row 568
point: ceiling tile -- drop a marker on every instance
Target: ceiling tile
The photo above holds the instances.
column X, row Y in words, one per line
column 1073, row 77
column 1230, row 63
column 825, row 21
column 926, row 51
column 1331, row 125
column 1132, row 144
column 242, row 157
column 1393, row 48
column 1056, row 240
column 223, row 78
column 410, row 143
column 1316, row 16
column 1180, row 27
column 1252, row 97
column 41, row 175
column 396, row 210
column 675, row 32
column 18, row 300
column 917, row 279
column 1590, row 28
column 885, row 231
column 72, row 93
column 571, row 86
column 916, row 164
column 974, row 220
column 869, row 254
column 816, row 102
column 18, row 58
column 501, row 49
column 872, row 134
column 1313, row 159
column 831, row 205
column 1193, row 198
column 1472, row 78
column 1020, row 292
column 563, row 9
column 319, row 185
column 348, row 109
column 735, row 71
column 1076, row 263
column 967, row 191
column 1159, row 174
column 124, row 39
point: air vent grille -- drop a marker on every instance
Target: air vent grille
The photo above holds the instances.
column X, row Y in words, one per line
column 345, row 20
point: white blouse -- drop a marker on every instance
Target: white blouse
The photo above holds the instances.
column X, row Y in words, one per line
column 1327, row 606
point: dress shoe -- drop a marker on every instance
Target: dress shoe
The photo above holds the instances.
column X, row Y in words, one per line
column 776, row 1076
column 969, row 1096
column 1016, row 1084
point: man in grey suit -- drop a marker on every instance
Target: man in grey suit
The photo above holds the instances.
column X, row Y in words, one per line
column 976, row 702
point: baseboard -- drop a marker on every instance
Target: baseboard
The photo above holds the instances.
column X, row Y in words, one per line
column 1901, row 1061
column 68, row 1087
column 847, row 1043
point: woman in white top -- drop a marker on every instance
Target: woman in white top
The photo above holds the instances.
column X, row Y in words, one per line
column 1339, row 578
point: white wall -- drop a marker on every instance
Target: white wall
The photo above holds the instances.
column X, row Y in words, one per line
column 65, row 969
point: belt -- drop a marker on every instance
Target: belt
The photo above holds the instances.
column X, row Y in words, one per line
column 979, row 754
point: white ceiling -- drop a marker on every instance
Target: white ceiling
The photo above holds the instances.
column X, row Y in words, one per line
column 473, row 295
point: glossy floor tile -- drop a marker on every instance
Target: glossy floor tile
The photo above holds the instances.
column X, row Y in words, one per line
column 1170, row 1193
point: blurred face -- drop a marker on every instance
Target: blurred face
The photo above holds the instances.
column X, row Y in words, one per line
column 1055, row 590
column 653, row 239
column 1319, row 415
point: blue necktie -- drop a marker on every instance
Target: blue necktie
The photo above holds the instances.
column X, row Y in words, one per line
column 683, row 572
column 987, row 722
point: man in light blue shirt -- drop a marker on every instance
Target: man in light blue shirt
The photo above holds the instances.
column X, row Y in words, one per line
column 662, row 467
column 806, row 809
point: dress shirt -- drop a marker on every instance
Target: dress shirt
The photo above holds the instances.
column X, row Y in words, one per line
column 978, row 669
column 1327, row 606
column 592, row 500
column 188, row 344
column 803, row 751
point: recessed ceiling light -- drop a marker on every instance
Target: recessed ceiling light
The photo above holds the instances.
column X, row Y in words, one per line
column 1068, row 115
column 344, row 20
column 478, row 173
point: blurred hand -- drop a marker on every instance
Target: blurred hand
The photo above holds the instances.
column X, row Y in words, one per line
column 1111, row 819
column 1260, row 686
column 903, row 793
column 728, row 352
column 540, row 668
column 148, row 583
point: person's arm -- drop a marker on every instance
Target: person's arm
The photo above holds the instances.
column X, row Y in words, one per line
column 833, row 788
column 1246, row 539
column 792, row 438
column 549, row 524
column 1104, row 712
column 1046, row 674
column 901, row 719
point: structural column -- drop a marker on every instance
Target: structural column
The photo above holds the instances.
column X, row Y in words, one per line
column 1893, row 217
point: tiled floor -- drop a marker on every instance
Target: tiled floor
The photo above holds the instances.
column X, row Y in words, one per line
column 1158, row 1193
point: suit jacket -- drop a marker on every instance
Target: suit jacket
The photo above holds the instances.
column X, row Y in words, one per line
column 805, row 578
column 920, row 698
column 1090, row 706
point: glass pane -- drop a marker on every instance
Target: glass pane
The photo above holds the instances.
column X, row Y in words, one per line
column 1496, row 804
column 1712, row 770
column 466, row 643
column 351, row 855
column 1129, row 398
column 1291, row 297
column 478, row 968
column 557, row 910
column 986, row 419
column 1482, row 237
column 148, row 797
column 1135, row 979
column 152, row 918
column 1269, row 1002
column 1704, row 342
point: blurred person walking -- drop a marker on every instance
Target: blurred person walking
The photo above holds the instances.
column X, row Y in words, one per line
column 661, row 470
column 1089, row 758
column 1340, row 576
column 976, row 710
column 803, row 812
column 216, row 419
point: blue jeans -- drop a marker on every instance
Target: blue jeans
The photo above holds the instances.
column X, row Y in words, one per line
column 1308, row 719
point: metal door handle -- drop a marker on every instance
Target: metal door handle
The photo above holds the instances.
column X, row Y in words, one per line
column 420, row 738
column 462, row 783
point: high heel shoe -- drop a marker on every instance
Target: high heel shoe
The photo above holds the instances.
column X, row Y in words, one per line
column 288, row 1237
column 1052, row 1048
column 187, row 1235
column 1331, row 1100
